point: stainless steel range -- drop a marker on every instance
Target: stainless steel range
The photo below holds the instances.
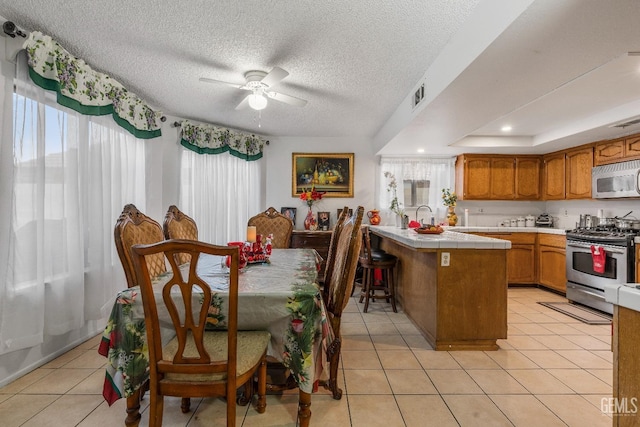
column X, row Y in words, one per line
column 585, row 285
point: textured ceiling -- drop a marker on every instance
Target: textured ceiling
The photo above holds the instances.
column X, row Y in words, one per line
column 557, row 71
column 353, row 61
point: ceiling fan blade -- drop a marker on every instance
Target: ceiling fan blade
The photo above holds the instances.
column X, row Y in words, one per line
column 287, row 99
column 207, row 80
column 274, row 76
column 243, row 104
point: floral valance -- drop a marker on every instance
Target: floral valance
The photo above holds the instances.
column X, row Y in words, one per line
column 210, row 139
column 87, row 91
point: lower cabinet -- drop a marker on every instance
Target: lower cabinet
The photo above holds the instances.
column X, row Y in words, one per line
column 552, row 270
column 318, row 240
column 521, row 258
column 536, row 258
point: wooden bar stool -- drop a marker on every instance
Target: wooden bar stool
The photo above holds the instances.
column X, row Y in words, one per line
column 370, row 261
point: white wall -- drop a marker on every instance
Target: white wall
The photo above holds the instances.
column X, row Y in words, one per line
column 278, row 173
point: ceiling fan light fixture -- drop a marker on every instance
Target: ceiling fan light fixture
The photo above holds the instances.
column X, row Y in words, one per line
column 257, row 101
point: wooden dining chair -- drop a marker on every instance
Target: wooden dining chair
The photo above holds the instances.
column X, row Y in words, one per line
column 340, row 285
column 178, row 225
column 331, row 254
column 134, row 228
column 196, row 363
column 273, row 222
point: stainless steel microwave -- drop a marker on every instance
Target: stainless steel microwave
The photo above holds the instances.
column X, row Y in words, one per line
column 616, row 180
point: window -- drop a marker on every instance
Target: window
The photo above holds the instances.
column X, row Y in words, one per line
column 422, row 182
column 416, row 192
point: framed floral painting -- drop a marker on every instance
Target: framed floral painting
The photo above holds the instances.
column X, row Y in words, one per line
column 331, row 173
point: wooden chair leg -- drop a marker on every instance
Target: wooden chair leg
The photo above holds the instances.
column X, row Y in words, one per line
column 133, row 410
column 333, row 354
column 304, row 409
column 262, row 386
column 185, row 405
column 391, row 285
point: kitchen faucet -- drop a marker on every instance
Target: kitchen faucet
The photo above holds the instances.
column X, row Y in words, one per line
column 421, row 219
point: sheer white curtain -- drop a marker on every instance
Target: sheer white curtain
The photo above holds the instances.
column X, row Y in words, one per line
column 69, row 177
column 220, row 192
column 440, row 172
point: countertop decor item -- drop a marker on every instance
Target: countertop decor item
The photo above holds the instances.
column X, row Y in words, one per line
column 309, row 197
column 374, row 216
column 430, row 230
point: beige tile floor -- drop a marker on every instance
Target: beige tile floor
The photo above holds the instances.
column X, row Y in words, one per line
column 551, row 371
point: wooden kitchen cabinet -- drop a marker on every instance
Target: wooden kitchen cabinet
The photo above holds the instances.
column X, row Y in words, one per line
column 503, row 178
column 318, row 240
column 521, row 258
column 497, row 177
column 608, row 152
column 626, row 366
column 632, row 148
column 473, row 177
column 578, row 165
column 553, row 176
column 552, row 270
column 528, row 178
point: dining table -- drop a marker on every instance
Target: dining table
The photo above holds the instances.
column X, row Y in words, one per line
column 281, row 296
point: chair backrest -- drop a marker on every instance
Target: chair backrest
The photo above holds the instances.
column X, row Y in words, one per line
column 135, row 228
column 190, row 357
column 340, row 283
column 365, row 250
column 178, row 225
column 331, row 256
column 273, row 222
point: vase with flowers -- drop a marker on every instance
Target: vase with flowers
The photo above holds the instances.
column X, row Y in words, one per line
column 310, row 197
column 394, row 206
column 449, row 199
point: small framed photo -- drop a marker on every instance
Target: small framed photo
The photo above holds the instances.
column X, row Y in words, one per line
column 289, row 213
column 323, row 221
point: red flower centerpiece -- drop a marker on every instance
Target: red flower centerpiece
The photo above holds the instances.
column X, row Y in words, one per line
column 311, row 196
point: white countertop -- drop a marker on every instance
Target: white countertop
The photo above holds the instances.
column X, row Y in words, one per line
column 447, row 240
column 545, row 230
column 623, row 295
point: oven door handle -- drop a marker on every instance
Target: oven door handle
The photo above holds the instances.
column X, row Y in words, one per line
column 611, row 249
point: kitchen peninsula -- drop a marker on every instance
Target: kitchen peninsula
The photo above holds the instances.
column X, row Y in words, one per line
column 453, row 286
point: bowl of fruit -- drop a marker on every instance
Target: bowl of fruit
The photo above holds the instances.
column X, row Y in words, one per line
column 429, row 229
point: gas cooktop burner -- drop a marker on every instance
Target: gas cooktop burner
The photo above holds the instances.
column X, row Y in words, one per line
column 601, row 234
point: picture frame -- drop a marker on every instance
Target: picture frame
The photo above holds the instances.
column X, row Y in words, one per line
column 289, row 213
column 324, row 222
column 331, row 173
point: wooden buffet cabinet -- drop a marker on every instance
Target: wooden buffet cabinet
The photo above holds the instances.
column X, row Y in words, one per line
column 318, row 240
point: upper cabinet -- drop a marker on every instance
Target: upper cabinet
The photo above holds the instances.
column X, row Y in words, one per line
column 553, row 176
column 579, row 163
column 496, row 177
column 617, row 150
column 528, row 178
column 567, row 174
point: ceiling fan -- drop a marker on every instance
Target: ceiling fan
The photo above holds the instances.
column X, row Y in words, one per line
column 259, row 84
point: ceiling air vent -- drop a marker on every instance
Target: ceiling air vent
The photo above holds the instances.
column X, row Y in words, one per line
column 418, row 96
column 627, row 123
